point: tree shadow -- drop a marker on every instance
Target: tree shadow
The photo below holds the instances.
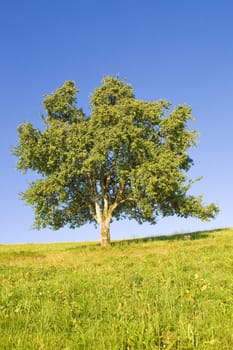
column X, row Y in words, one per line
column 85, row 246
column 191, row 236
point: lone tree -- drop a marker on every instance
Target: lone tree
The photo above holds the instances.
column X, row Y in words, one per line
column 128, row 159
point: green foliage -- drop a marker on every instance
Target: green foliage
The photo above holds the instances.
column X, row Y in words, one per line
column 159, row 293
column 128, row 159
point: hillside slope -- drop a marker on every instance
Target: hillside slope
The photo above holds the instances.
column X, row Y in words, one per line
column 171, row 292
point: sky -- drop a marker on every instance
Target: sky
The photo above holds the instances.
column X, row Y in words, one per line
column 179, row 50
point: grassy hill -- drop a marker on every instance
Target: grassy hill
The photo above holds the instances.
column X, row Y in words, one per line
column 173, row 292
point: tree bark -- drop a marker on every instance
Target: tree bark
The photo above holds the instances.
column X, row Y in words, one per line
column 105, row 240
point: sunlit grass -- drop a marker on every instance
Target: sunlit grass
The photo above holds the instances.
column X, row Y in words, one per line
column 158, row 293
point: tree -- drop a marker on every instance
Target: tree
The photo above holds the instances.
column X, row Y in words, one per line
column 128, row 159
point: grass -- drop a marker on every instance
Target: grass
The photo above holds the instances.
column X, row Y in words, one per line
column 173, row 292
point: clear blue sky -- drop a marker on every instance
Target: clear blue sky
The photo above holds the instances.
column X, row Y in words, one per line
column 180, row 50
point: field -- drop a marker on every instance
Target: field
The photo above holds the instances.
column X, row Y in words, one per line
column 173, row 292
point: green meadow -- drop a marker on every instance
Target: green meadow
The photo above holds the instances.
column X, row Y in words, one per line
column 173, row 292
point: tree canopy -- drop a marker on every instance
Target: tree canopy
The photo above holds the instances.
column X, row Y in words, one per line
column 128, row 159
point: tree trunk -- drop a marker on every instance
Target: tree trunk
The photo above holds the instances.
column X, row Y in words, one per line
column 105, row 233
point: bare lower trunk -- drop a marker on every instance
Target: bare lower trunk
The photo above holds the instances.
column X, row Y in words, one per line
column 105, row 233
column 103, row 217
